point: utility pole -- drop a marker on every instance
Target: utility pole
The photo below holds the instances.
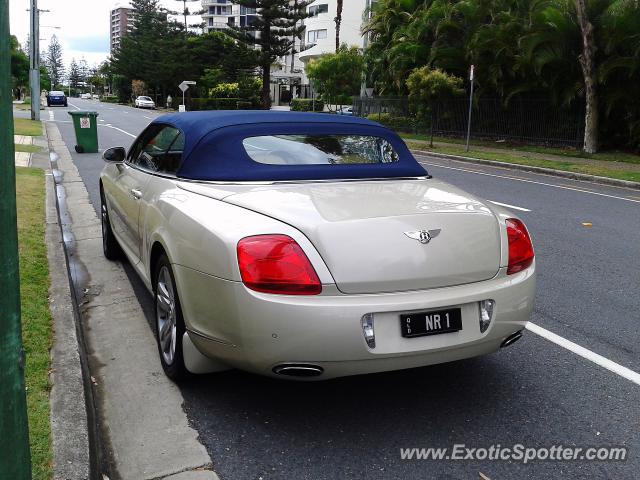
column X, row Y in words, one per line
column 466, row 148
column 34, row 61
column 15, row 457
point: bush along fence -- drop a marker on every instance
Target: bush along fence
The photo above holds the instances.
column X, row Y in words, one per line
column 531, row 121
column 307, row 105
column 195, row 104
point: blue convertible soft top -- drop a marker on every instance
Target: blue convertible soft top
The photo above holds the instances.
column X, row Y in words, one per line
column 213, row 148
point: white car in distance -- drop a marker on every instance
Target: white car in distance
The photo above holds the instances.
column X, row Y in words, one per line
column 144, row 102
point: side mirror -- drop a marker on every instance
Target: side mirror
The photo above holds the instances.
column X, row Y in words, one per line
column 114, row 155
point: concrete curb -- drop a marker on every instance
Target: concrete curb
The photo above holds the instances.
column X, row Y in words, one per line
column 69, row 427
column 128, row 388
column 529, row 168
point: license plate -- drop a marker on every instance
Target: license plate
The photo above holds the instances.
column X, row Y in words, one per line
column 431, row 323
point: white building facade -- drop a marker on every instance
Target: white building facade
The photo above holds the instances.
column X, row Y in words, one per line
column 320, row 29
column 220, row 14
column 319, row 37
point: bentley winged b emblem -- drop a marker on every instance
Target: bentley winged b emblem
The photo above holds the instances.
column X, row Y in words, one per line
column 423, row 236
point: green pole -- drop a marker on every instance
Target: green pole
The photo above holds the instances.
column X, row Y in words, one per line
column 15, row 458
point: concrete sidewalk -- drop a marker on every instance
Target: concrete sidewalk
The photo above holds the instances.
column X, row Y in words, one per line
column 113, row 413
column 23, row 159
column 142, row 431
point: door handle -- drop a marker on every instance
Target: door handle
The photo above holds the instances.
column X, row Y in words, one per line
column 137, row 194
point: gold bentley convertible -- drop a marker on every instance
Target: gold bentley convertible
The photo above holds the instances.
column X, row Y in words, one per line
column 309, row 246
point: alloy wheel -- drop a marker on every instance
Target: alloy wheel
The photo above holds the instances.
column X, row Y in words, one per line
column 166, row 315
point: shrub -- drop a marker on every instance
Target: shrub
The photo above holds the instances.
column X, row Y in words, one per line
column 225, row 90
column 427, row 86
column 306, row 105
column 337, row 76
column 212, row 104
column 244, row 105
column 401, row 124
column 109, row 99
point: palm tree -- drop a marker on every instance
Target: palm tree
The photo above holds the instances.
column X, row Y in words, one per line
column 338, row 21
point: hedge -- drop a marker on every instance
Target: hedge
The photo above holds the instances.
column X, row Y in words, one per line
column 195, row 104
column 244, row 105
column 109, row 99
column 306, row 105
column 402, row 124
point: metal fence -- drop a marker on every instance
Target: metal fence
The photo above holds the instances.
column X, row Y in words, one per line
column 522, row 120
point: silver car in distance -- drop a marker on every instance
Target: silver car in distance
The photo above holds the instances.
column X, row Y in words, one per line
column 309, row 246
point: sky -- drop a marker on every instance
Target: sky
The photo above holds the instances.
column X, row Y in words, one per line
column 83, row 25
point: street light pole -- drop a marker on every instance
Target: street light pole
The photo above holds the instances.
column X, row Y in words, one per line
column 34, row 61
column 15, row 457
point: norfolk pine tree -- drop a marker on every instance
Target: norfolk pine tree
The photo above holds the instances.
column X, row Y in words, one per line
column 278, row 22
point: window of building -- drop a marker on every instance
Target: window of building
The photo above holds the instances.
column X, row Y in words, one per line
column 315, row 10
column 314, row 35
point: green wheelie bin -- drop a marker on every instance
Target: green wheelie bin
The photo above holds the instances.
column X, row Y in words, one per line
column 85, row 125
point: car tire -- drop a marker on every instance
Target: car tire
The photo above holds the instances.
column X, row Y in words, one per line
column 65, row 104
column 169, row 320
column 110, row 246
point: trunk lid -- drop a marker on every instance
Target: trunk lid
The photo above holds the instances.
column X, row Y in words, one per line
column 359, row 230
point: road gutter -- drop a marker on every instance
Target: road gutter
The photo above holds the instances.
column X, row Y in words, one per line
column 530, row 168
column 144, row 432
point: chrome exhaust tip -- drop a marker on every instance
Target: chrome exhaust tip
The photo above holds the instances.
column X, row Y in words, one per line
column 301, row 370
column 511, row 339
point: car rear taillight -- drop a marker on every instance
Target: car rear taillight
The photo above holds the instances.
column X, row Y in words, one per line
column 276, row 264
column 520, row 246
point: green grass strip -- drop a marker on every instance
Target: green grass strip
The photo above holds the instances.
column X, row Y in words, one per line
column 522, row 159
column 27, row 148
column 24, row 126
column 607, row 156
column 36, row 316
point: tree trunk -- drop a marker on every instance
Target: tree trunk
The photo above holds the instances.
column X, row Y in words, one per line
column 588, row 72
column 338, row 21
column 266, row 67
column 266, row 84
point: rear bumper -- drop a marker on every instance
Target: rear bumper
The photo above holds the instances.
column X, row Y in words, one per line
column 258, row 332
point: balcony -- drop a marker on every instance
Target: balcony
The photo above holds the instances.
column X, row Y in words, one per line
column 217, row 26
column 206, row 3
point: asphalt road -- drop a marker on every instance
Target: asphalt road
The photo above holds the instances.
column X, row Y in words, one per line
column 535, row 393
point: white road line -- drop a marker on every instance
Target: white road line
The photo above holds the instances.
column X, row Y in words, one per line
column 77, row 108
column 585, row 353
column 119, row 129
column 147, row 117
column 510, row 206
column 51, row 115
column 528, row 181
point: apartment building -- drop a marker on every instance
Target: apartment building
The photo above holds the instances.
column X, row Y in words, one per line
column 120, row 22
column 319, row 36
column 220, row 14
column 320, row 31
